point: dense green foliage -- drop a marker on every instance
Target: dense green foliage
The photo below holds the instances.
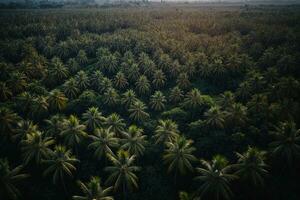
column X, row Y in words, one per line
column 150, row 103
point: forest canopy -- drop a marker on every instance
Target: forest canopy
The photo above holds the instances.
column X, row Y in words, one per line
column 150, row 103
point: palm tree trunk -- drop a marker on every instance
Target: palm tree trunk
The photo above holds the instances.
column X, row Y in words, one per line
column 124, row 191
column 64, row 186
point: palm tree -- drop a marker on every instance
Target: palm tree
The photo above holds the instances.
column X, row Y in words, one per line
column 93, row 190
column 142, row 85
column 5, row 92
column 251, row 166
column 8, row 180
column 54, row 125
column 157, row 101
column 82, row 80
column 111, row 97
column 60, row 163
column 73, row 132
column 244, row 91
column 25, row 100
column 39, row 107
column 133, row 73
column 237, row 114
column 57, row 100
column 81, row 57
column 93, row 118
column 215, row 118
column 105, row 84
column 120, row 80
column 122, row 173
column 178, row 155
column 134, row 141
column 193, row 99
column 128, row 98
column 103, row 141
column 24, row 127
column 137, row 111
column 116, row 123
column 73, row 65
column 287, row 142
column 17, row 82
column 57, row 71
column 159, row 78
column 183, row 81
column 227, row 100
column 8, row 121
column 166, row 131
column 215, row 178
column 70, row 88
column 96, row 79
column 176, row 94
column 36, row 147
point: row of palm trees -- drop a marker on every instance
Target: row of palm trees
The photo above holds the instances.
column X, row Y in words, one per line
column 178, row 154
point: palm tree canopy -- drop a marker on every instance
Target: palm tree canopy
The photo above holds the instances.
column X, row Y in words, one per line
column 93, row 190
column 134, row 141
column 178, row 155
column 103, row 141
column 122, row 172
column 60, row 163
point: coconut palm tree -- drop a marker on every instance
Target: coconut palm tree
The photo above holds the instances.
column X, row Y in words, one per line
column 133, row 74
column 193, row 99
column 82, row 80
column 183, row 81
column 251, row 166
column 166, row 131
column 157, row 101
column 110, row 97
column 54, row 125
column 57, row 100
column 120, row 80
column 70, row 88
column 60, row 164
column 93, row 190
column 122, row 172
column 81, row 57
column 215, row 178
column 286, row 144
column 176, row 94
column 159, row 78
column 73, row 65
column 73, row 132
column 128, row 98
column 23, row 128
column 93, row 118
column 103, row 140
column 116, row 123
column 134, row 141
column 8, row 121
column 105, row 84
column 137, row 111
column 178, row 155
column 142, row 85
column 96, row 79
column 39, row 107
column 36, row 147
column 57, row 71
column 215, row 118
column 9, row 178
column 5, row 91
column 25, row 100
column 237, row 114
column 17, row 82
column 227, row 99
